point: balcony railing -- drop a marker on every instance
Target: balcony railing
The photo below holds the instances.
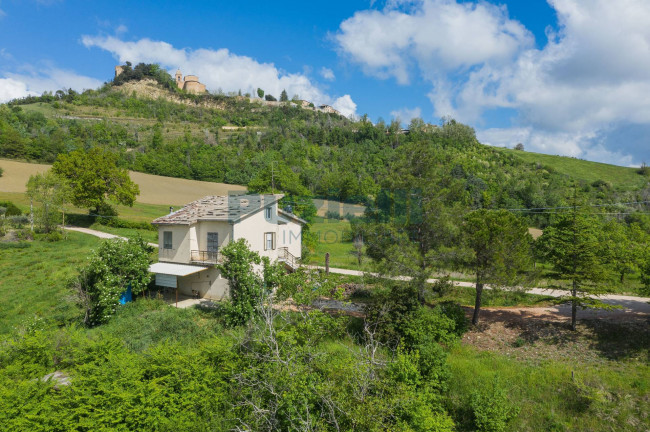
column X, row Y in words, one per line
column 208, row 257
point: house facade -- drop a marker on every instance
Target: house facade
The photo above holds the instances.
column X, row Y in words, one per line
column 191, row 238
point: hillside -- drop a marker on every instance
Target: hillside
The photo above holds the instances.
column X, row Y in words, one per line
column 229, row 140
column 623, row 178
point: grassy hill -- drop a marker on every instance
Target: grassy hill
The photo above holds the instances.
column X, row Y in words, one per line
column 622, row 178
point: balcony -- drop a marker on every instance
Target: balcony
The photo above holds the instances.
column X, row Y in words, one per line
column 204, row 257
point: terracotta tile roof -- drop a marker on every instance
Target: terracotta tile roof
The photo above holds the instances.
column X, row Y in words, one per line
column 229, row 208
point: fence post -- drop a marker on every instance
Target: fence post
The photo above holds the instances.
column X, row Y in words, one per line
column 327, row 263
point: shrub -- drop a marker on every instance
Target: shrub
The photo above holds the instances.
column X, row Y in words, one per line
column 18, row 221
column 491, row 407
column 113, row 267
column 52, row 236
column 12, row 210
column 330, row 214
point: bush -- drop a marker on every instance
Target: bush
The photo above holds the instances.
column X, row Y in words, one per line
column 53, row 236
column 491, row 408
column 12, row 210
column 18, row 221
column 114, row 267
column 330, row 214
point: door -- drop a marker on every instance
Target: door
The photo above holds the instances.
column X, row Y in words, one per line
column 213, row 245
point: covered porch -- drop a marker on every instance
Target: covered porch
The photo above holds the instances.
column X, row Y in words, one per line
column 167, row 279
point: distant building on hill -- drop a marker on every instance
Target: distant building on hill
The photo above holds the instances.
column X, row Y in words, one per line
column 190, row 83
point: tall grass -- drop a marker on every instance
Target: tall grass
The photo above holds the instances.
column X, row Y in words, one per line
column 555, row 395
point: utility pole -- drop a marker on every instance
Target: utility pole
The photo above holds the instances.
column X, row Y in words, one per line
column 273, row 177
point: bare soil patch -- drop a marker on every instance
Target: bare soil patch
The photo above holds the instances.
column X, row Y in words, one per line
column 536, row 334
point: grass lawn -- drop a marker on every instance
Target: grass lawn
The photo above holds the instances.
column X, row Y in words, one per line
column 620, row 177
column 33, row 280
column 330, row 240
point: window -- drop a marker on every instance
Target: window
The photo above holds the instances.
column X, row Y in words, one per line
column 269, row 241
column 167, row 240
column 267, row 212
column 213, row 242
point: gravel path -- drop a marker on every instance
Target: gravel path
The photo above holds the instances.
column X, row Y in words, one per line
column 100, row 234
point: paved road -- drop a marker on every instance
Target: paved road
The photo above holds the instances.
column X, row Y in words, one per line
column 628, row 303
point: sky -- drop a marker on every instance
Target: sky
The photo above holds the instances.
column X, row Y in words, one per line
column 568, row 77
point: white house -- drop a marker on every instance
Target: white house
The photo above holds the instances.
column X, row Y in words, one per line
column 190, row 239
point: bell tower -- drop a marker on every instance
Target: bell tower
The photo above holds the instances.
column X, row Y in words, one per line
column 179, row 79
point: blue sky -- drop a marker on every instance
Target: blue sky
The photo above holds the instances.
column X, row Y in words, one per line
column 568, row 77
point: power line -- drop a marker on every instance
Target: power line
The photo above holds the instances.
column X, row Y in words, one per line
column 571, row 207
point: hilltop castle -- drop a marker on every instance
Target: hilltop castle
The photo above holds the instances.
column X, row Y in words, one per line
column 190, row 83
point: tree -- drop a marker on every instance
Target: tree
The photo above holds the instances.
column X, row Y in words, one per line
column 270, row 98
column 624, row 245
column 519, row 146
column 114, row 267
column 52, row 192
column 94, row 178
column 283, row 96
column 572, row 246
column 260, row 93
column 247, row 288
column 500, row 248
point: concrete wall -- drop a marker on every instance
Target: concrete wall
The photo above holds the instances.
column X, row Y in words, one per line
column 204, row 227
column 290, row 236
column 180, row 252
column 253, row 228
column 209, row 283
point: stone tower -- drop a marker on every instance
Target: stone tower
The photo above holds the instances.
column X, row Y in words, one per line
column 180, row 82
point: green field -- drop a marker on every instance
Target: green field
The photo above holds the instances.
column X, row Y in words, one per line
column 555, row 395
column 621, row 178
column 33, row 280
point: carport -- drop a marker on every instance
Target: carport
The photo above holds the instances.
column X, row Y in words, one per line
column 167, row 274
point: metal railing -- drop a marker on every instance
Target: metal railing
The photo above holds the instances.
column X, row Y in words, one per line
column 204, row 256
column 286, row 256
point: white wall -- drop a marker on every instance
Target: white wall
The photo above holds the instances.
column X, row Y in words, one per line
column 253, row 228
column 180, row 252
column 204, row 227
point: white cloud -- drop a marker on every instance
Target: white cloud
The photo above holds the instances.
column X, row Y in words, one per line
column 405, row 115
column 12, row 89
column 345, row 105
column 435, row 35
column 218, row 69
column 589, row 78
column 327, row 74
column 36, row 81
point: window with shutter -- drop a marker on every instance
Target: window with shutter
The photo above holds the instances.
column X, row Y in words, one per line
column 167, row 240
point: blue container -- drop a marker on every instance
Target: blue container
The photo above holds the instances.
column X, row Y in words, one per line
column 126, row 296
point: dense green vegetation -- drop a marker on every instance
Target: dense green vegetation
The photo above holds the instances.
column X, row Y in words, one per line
column 331, row 156
column 268, row 359
column 154, row 367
